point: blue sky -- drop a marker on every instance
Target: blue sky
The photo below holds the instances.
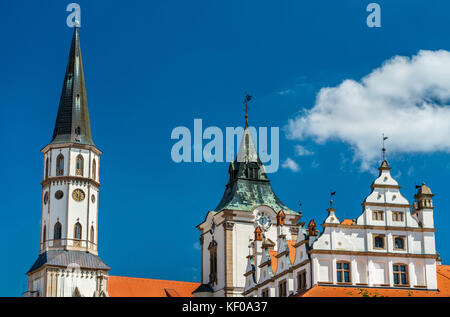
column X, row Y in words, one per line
column 152, row 66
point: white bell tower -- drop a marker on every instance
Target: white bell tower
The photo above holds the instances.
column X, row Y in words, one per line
column 68, row 262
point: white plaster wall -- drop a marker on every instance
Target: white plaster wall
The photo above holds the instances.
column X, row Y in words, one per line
column 86, row 281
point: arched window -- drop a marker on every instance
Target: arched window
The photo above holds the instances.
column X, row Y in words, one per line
column 94, row 169
column 343, row 272
column 400, row 272
column 44, row 234
column 92, row 234
column 46, row 168
column 57, row 231
column 79, row 165
column 77, row 231
column 212, row 262
column 60, row 165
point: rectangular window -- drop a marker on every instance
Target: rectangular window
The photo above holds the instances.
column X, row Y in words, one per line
column 378, row 241
column 399, row 243
column 343, row 272
column 301, row 281
column 400, row 274
column 282, row 289
column 397, row 216
column 378, row 215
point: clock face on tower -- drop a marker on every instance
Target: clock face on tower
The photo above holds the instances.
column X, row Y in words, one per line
column 78, row 194
column 263, row 221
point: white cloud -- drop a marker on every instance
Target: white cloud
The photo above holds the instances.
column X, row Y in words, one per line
column 286, row 92
column 410, row 170
column 302, row 151
column 290, row 164
column 407, row 99
column 196, row 245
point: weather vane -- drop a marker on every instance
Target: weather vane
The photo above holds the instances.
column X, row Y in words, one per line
column 246, row 100
column 331, row 198
column 383, row 150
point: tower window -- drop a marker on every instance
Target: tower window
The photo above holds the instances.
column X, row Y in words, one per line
column 44, row 234
column 213, row 262
column 378, row 242
column 343, row 272
column 46, row 168
column 60, row 165
column 79, row 165
column 92, row 234
column 94, row 169
column 77, row 231
column 400, row 272
column 57, row 231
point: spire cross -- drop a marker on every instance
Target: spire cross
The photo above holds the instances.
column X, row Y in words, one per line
column 246, row 100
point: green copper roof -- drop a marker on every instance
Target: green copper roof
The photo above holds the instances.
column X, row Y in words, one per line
column 248, row 186
column 72, row 122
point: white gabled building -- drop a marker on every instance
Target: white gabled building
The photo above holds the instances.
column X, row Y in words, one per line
column 390, row 245
column 386, row 246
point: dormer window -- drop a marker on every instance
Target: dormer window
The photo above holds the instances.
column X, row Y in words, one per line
column 253, row 171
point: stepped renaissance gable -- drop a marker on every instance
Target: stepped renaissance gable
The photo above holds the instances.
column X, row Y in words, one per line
column 388, row 250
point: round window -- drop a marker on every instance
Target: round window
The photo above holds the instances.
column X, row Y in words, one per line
column 93, row 198
column 59, row 194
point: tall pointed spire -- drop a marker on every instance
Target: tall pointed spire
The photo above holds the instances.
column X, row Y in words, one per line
column 72, row 122
column 248, row 184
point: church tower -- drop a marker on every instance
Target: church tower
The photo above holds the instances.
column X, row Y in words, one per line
column 248, row 205
column 68, row 262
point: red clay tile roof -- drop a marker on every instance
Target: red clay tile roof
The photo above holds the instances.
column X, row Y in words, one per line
column 347, row 222
column 443, row 279
column 121, row 286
